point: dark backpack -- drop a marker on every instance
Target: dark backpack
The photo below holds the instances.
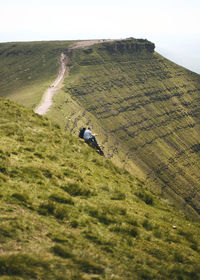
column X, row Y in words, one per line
column 81, row 133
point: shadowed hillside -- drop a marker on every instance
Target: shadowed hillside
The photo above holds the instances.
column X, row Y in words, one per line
column 67, row 213
column 147, row 112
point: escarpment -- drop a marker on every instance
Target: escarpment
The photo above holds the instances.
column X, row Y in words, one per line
column 150, row 106
column 128, row 45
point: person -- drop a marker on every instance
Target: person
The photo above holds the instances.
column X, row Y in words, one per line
column 91, row 140
column 89, row 136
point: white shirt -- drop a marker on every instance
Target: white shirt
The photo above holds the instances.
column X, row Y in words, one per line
column 87, row 134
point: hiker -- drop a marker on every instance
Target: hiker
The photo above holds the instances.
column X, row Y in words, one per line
column 89, row 136
column 90, row 139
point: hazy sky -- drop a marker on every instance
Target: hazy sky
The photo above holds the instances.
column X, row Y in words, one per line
column 173, row 25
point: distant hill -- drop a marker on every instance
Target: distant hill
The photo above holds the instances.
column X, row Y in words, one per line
column 67, row 213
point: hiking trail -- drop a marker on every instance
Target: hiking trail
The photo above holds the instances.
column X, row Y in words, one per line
column 47, row 100
column 48, row 96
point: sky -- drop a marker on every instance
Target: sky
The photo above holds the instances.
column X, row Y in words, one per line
column 173, row 25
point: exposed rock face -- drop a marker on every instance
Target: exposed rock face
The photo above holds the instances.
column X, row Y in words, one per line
column 130, row 45
column 151, row 108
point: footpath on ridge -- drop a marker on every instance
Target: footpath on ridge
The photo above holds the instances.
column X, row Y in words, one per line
column 47, row 100
column 48, row 96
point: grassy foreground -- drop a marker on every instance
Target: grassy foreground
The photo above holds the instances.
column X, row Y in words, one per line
column 67, row 213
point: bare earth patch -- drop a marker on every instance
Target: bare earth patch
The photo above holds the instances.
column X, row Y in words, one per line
column 89, row 43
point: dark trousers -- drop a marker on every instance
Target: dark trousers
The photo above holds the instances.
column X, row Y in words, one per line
column 93, row 139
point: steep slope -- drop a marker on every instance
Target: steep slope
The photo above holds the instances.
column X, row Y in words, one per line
column 27, row 69
column 145, row 107
column 67, row 213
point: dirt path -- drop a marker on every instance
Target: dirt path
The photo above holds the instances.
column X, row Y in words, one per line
column 89, row 43
column 47, row 100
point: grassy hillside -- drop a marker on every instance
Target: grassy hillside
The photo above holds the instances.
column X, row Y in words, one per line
column 67, row 213
column 146, row 110
column 144, row 107
column 27, row 69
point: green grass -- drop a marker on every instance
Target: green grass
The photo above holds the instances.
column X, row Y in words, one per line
column 27, row 69
column 67, row 213
column 126, row 91
column 145, row 110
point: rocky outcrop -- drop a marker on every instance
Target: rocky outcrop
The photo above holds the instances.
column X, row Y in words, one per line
column 130, row 45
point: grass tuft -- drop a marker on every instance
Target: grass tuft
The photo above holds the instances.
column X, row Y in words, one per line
column 146, row 197
column 77, row 189
column 22, row 265
column 62, row 251
column 61, row 198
